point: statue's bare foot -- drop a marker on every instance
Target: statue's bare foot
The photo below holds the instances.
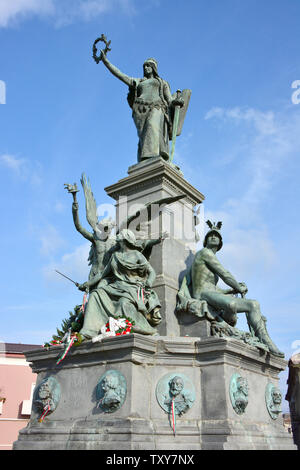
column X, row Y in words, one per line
column 263, row 336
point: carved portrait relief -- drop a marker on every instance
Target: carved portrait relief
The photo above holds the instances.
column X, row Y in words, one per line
column 273, row 399
column 111, row 391
column 239, row 393
column 176, row 388
column 47, row 395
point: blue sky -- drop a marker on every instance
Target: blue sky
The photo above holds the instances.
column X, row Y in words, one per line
column 63, row 115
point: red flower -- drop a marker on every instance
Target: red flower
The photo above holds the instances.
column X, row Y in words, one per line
column 122, row 331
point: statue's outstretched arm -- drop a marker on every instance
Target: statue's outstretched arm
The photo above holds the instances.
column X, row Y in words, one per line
column 150, row 243
column 88, row 235
column 216, row 267
column 92, row 282
column 151, row 276
column 116, row 72
column 96, row 279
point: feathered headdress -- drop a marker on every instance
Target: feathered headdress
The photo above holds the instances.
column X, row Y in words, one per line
column 214, row 228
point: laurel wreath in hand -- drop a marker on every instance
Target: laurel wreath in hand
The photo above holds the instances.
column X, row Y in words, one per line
column 102, row 38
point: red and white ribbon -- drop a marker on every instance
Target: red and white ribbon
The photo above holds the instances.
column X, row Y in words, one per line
column 46, row 411
column 84, row 302
column 173, row 416
column 67, row 349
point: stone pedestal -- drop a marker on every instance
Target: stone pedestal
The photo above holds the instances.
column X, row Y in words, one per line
column 132, row 414
column 151, row 181
column 140, row 423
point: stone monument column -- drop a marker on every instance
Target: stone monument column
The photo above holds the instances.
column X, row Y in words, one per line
column 151, row 181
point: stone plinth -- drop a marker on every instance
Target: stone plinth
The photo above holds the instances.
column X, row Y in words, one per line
column 141, row 423
column 148, row 182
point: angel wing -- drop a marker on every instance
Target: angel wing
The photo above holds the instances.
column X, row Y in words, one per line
column 90, row 203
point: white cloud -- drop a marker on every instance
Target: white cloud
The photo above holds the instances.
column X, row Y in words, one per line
column 22, row 168
column 270, row 142
column 59, row 207
column 92, row 8
column 13, row 163
column 13, row 10
column 63, row 12
column 50, row 241
column 248, row 250
column 69, row 11
column 73, row 265
column 264, row 122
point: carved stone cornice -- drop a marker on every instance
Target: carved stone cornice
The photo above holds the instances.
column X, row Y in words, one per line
column 152, row 175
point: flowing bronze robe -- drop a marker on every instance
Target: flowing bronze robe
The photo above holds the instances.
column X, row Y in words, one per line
column 120, row 293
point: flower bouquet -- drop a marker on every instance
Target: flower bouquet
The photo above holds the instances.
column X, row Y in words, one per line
column 115, row 327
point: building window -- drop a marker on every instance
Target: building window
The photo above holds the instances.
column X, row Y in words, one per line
column 2, row 401
column 26, row 404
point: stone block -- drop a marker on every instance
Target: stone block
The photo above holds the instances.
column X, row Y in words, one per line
column 141, row 423
column 148, row 182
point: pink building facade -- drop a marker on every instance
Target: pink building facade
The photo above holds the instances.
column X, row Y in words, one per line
column 17, row 382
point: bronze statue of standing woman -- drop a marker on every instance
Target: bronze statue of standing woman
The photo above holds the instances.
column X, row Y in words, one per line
column 153, row 106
